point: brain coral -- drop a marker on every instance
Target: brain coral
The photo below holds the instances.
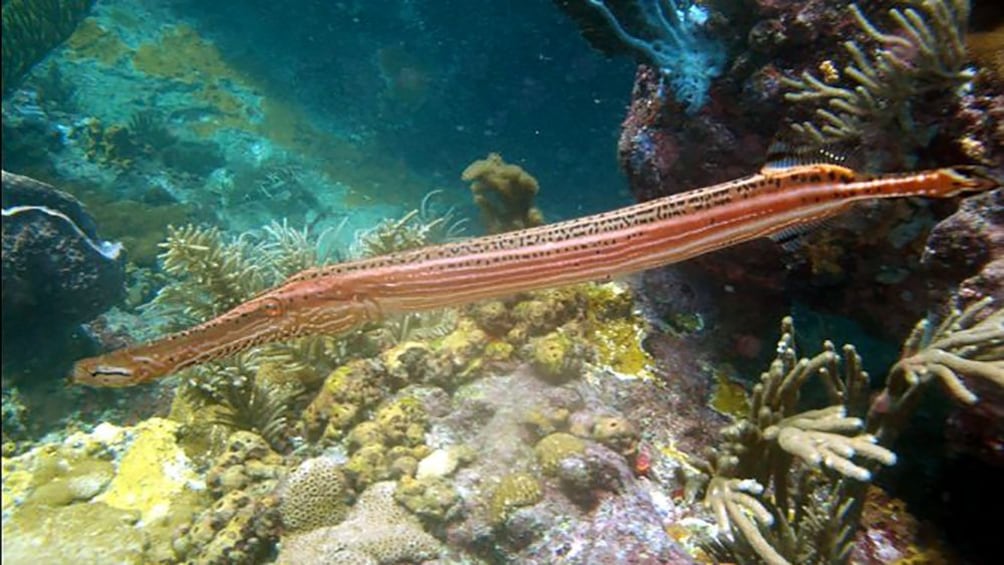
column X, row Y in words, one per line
column 377, row 530
column 313, row 496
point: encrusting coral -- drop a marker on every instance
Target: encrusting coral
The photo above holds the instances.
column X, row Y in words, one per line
column 513, row 491
column 243, row 523
column 505, row 193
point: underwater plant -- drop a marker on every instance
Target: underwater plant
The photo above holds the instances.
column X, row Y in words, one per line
column 32, row 28
column 926, row 54
column 787, row 484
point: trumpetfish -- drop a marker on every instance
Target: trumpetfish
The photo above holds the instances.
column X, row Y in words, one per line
column 336, row 298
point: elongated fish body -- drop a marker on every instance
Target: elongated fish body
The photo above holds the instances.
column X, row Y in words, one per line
column 334, row 299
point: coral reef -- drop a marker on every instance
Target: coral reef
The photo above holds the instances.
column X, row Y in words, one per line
column 243, row 523
column 926, row 54
column 376, row 530
column 314, row 496
column 115, row 493
column 767, row 487
column 504, row 192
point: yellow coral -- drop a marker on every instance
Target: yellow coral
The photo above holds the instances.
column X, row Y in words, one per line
column 514, row 491
column 556, row 357
column 618, row 344
column 153, row 473
column 314, row 496
column 555, row 448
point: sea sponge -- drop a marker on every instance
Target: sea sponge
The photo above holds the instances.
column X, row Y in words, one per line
column 556, row 357
column 505, row 194
column 515, row 490
column 314, row 495
column 617, row 433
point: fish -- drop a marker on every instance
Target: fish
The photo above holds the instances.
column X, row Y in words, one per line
column 333, row 299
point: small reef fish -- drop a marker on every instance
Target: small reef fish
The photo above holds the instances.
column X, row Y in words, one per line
column 336, row 298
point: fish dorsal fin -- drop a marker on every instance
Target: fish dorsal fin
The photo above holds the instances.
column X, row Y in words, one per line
column 782, row 156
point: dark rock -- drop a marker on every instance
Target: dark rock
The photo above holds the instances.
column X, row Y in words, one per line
column 57, row 275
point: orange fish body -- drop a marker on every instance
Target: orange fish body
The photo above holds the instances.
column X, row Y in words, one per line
column 330, row 300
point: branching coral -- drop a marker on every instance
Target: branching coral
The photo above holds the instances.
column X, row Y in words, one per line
column 789, row 483
column 425, row 326
column 968, row 343
column 504, row 192
column 767, row 481
column 215, row 274
column 927, row 53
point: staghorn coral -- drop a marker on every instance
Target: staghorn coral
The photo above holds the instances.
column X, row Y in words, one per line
column 926, row 54
column 504, row 192
column 215, row 274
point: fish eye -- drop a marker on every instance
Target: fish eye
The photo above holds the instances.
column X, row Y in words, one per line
column 272, row 307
